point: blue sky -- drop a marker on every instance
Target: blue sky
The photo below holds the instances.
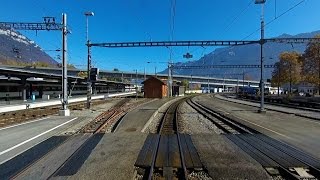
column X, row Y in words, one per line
column 145, row 20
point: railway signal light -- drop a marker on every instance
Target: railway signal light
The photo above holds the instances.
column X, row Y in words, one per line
column 94, row 72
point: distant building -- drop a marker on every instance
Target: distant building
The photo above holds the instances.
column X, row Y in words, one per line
column 155, row 88
column 302, row 88
column 178, row 89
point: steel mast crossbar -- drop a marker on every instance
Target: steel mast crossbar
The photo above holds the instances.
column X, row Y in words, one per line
column 292, row 40
column 221, row 66
column 172, row 43
column 31, row 26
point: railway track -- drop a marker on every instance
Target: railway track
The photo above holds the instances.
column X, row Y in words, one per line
column 277, row 158
column 302, row 106
column 168, row 154
column 75, row 146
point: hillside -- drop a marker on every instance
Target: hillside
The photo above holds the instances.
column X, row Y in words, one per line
column 15, row 48
column 247, row 54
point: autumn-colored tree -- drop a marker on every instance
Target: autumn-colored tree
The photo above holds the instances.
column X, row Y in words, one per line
column 311, row 63
column 82, row 74
column 287, row 70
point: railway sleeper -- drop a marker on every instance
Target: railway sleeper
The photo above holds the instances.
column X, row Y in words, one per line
column 168, row 162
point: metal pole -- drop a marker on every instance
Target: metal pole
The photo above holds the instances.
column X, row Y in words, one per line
column 88, row 77
column 261, row 109
column 223, row 85
column 243, row 83
column 89, row 90
column 191, row 83
column 136, row 83
column 122, row 77
column 279, row 80
column 64, row 111
column 208, row 85
column 237, row 89
column 319, row 70
column 145, row 76
column 168, row 80
column 155, row 71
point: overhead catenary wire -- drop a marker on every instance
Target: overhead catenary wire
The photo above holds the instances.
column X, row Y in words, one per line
column 277, row 17
column 234, row 19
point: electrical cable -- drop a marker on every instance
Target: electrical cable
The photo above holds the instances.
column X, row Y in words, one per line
column 282, row 14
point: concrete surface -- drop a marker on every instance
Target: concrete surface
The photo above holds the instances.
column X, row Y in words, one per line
column 298, row 112
column 112, row 158
column 136, row 119
column 224, row 160
column 25, row 143
column 300, row 132
column 20, row 138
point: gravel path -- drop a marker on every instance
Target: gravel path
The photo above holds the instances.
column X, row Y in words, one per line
column 194, row 123
column 152, row 127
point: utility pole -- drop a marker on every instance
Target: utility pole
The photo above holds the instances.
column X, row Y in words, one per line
column 136, row 83
column 319, row 70
column 208, row 85
column 49, row 24
column 279, row 79
column 262, row 41
column 169, row 79
column 223, row 84
column 89, row 87
column 64, row 111
column 237, row 89
column 242, row 82
column 155, row 70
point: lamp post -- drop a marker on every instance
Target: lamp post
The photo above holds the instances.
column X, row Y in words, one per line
column 89, row 90
column 136, row 82
column 155, row 67
column 261, row 109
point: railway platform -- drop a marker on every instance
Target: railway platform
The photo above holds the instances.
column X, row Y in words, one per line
column 19, row 105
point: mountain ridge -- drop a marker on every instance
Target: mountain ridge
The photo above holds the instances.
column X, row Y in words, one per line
column 242, row 55
column 17, row 48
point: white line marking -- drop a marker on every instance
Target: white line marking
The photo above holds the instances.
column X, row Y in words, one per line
column 24, row 123
column 266, row 128
column 26, row 141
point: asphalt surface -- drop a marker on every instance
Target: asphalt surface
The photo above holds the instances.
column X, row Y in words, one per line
column 31, row 142
column 22, row 145
column 19, row 138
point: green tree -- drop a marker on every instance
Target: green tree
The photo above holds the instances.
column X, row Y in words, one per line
column 287, row 70
column 185, row 83
column 311, row 63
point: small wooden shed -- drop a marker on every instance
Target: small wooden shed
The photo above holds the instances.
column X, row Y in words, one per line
column 155, row 88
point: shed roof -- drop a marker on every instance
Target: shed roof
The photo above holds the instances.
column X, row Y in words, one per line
column 155, row 78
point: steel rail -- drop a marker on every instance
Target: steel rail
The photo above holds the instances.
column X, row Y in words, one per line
column 183, row 163
column 281, row 167
column 168, row 117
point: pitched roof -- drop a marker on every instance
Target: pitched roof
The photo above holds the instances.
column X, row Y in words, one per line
column 156, row 78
